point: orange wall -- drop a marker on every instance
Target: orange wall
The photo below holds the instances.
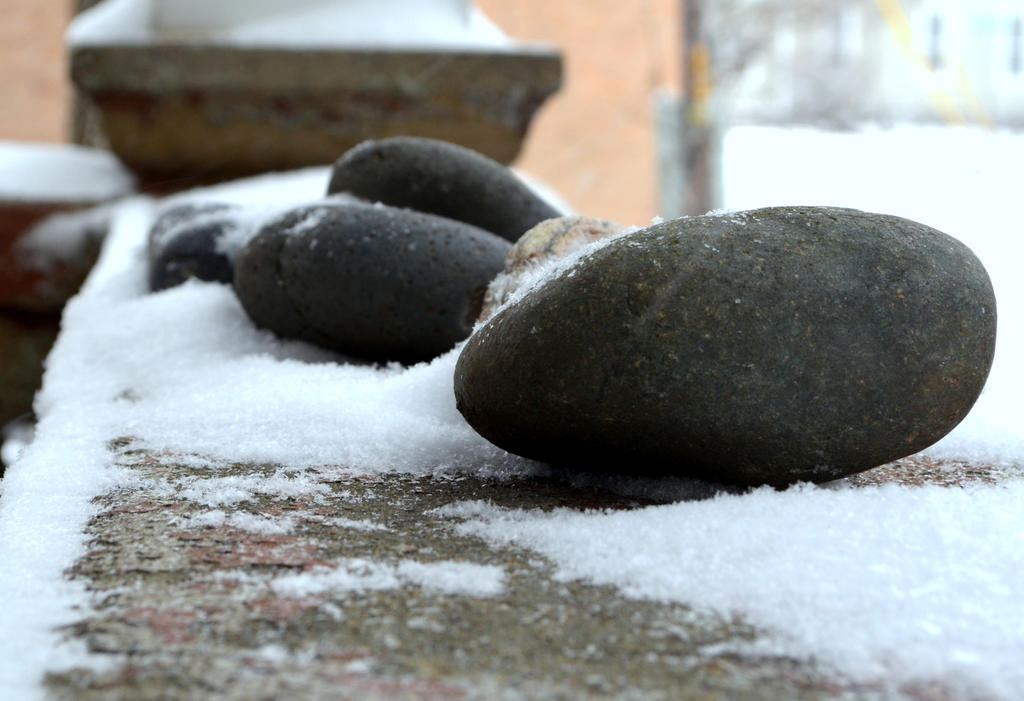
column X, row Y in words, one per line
column 594, row 141
column 34, row 91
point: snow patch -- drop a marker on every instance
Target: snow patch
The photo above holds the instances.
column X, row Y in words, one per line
column 47, row 493
column 889, row 584
column 355, row 574
column 36, row 172
column 226, row 491
column 406, row 24
column 63, row 238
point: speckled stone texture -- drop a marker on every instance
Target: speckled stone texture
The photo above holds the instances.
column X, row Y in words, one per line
column 181, row 610
column 369, row 281
column 550, row 240
column 762, row 347
column 184, row 243
column 441, row 178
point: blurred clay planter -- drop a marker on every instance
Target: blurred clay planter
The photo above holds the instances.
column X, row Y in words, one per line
column 177, row 114
column 51, row 228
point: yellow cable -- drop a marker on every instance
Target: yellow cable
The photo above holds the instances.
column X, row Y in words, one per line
column 944, row 101
column 966, row 86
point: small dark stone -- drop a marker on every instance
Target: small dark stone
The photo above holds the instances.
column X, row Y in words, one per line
column 441, row 178
column 763, row 347
column 258, row 283
column 369, row 281
column 187, row 241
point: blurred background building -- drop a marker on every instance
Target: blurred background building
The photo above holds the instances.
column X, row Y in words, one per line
column 609, row 141
column 847, row 62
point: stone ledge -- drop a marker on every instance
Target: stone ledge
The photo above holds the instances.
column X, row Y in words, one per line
column 185, row 610
column 209, row 113
column 25, row 339
column 42, row 286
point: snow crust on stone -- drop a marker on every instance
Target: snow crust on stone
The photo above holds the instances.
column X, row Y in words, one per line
column 513, row 287
column 906, row 583
column 267, row 524
column 238, row 227
column 396, row 24
column 45, row 497
column 252, row 523
column 261, row 199
column 354, row 574
column 37, row 172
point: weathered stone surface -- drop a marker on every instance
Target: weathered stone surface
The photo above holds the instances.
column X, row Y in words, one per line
column 550, row 240
column 187, row 241
column 33, row 279
column 769, row 346
column 441, row 178
column 370, row 281
column 208, row 113
column 184, row 611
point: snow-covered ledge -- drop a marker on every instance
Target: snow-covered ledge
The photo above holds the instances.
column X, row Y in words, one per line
column 300, row 23
column 209, row 91
column 211, row 512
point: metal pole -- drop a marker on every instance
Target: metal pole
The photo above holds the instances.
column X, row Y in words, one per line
column 697, row 136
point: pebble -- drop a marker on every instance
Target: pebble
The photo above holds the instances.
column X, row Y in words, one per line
column 184, row 242
column 369, row 281
column 549, row 241
column 764, row 347
column 441, row 178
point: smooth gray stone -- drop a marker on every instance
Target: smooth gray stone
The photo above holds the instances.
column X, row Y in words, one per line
column 370, row 281
column 184, row 241
column 441, row 178
column 259, row 285
column 763, row 347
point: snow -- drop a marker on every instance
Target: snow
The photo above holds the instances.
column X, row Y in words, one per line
column 63, row 239
column 899, row 583
column 405, row 24
column 905, row 585
column 45, row 497
column 272, row 189
column 265, row 524
column 357, row 574
column 36, row 172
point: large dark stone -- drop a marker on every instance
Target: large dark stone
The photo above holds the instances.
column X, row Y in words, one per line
column 187, row 241
column 762, row 347
column 369, row 281
column 441, row 178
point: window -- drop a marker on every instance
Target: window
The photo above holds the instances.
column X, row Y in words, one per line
column 847, row 32
column 935, row 57
column 1016, row 37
